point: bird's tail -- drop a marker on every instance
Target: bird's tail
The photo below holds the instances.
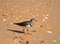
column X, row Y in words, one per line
column 16, row 23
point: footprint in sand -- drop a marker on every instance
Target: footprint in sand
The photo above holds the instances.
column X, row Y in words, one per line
column 17, row 40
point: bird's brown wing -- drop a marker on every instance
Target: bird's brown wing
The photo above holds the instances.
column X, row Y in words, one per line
column 22, row 23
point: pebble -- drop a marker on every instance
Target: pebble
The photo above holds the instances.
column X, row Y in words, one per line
column 4, row 20
column 46, row 17
column 47, row 14
column 54, row 40
column 43, row 20
column 49, row 32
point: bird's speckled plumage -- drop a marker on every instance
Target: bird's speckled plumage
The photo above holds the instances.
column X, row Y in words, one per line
column 26, row 23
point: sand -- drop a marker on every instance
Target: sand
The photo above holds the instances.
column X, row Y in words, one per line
column 45, row 31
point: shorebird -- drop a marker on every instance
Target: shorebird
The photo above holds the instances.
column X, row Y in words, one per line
column 26, row 24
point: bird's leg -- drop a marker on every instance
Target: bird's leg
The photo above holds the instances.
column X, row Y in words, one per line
column 27, row 31
column 24, row 30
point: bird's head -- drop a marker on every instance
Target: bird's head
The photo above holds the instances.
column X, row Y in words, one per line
column 32, row 20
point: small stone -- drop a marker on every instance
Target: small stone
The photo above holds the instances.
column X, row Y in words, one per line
column 47, row 14
column 46, row 17
column 54, row 40
column 49, row 32
column 43, row 20
column 4, row 19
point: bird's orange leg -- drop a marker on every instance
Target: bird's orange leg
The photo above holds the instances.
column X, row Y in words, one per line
column 24, row 30
column 27, row 31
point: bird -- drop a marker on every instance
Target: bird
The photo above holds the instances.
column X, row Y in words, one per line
column 26, row 24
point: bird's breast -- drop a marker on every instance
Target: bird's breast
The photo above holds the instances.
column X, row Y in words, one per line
column 28, row 26
column 32, row 24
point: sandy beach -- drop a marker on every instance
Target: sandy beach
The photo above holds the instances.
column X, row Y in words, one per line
column 45, row 31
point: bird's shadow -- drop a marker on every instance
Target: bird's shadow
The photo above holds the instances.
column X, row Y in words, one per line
column 17, row 31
